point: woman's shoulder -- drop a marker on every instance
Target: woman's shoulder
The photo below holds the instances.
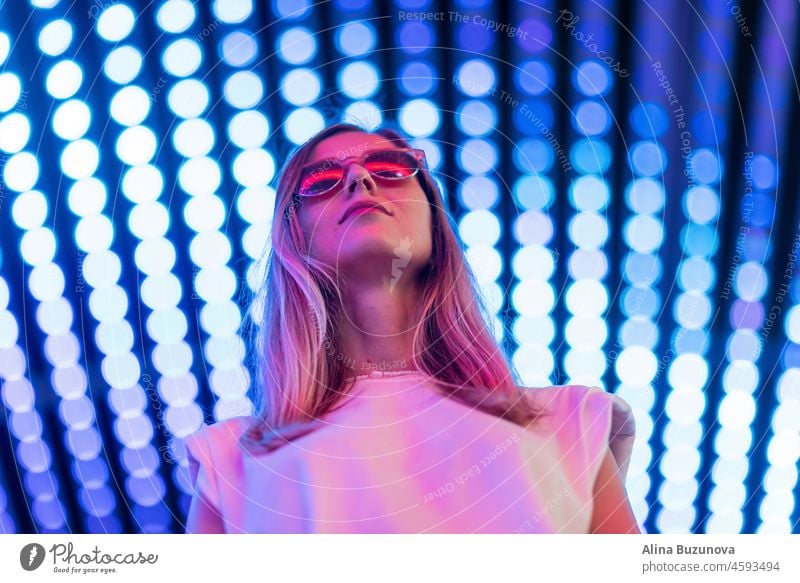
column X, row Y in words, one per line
column 217, row 439
column 575, row 401
column 590, row 416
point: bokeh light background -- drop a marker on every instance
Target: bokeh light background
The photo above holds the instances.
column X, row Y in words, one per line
column 623, row 175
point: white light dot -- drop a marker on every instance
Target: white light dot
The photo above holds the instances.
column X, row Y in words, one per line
column 38, row 246
column 255, row 239
column 4, row 294
column 64, row 79
column 229, row 407
column 588, row 229
column 182, row 57
column 355, row 38
column 101, row 268
column 685, row 409
column 248, row 129
column 15, row 130
column 71, row 120
column 534, row 298
column 167, row 326
column 636, row 366
column 792, row 324
column 479, row 228
column 108, row 304
column 149, row 220
column 29, row 210
column 176, row 15
column 221, row 319
column 193, row 138
column 21, row 171
column 534, row 330
column 87, row 197
column 199, row 176
column 256, row 205
column 475, row 78
column 296, row 46
column 737, row 410
column 122, row 371
column 693, row 310
column 300, row 87
column 215, row 284
column 160, row 292
column 142, row 183
column 224, row 352
column 55, row 316
column 486, row 263
column 114, row 338
column 254, row 167
column 751, row 281
column 130, row 105
column 644, row 233
column 419, row 117
column 10, row 88
column 46, row 282
column 204, row 212
column 172, row 359
column 586, row 333
column 19, row 397
column 80, row 159
column 239, row 49
column 210, row 249
column 303, row 123
column 123, row 64
column 184, row 416
column 364, row 114
column 155, row 256
column 243, row 90
column 94, row 234
column 137, row 145
column 688, row 371
column 188, row 98
column 585, row 366
column 359, row 80
column 116, row 22
column 232, row 11
column 55, row 37
column 787, row 417
column 784, row 449
column 587, row 297
column 5, row 46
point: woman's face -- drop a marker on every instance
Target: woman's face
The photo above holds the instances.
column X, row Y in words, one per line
column 383, row 245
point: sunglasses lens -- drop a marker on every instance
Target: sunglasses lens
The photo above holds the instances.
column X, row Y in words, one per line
column 391, row 164
column 384, row 164
column 319, row 179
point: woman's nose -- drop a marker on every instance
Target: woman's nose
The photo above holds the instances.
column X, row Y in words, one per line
column 357, row 175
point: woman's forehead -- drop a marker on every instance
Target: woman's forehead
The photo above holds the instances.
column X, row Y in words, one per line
column 349, row 144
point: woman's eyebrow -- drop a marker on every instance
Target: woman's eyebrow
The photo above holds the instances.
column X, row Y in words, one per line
column 320, row 160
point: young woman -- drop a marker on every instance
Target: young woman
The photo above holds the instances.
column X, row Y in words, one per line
column 384, row 403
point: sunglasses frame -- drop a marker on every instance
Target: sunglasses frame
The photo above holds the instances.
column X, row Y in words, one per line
column 419, row 156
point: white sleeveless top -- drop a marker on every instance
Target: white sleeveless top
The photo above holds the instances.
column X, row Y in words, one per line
column 399, row 457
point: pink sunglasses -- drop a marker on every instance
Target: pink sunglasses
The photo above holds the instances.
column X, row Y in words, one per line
column 392, row 164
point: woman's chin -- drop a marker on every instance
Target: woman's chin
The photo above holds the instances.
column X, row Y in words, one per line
column 365, row 253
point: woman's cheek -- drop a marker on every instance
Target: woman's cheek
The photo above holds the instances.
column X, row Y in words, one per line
column 310, row 223
column 320, row 234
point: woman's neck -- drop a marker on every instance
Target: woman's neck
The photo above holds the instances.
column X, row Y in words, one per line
column 377, row 328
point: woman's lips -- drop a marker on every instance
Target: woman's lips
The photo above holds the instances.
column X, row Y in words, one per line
column 363, row 211
column 364, row 208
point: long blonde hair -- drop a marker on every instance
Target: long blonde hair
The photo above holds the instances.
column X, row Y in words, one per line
column 298, row 375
